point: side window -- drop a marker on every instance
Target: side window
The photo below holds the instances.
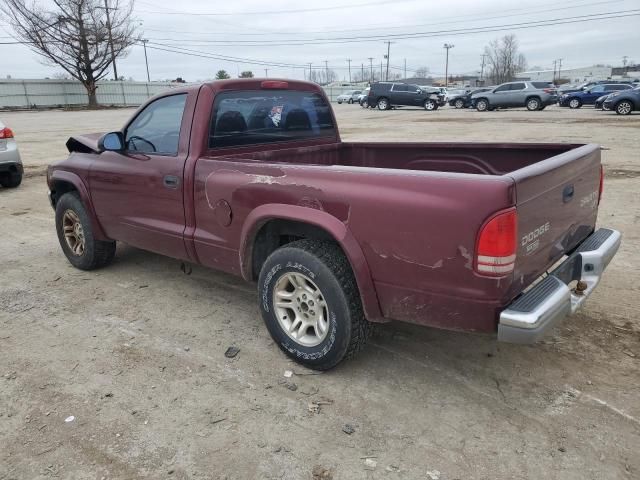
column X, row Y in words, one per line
column 157, row 128
column 597, row 89
column 398, row 87
column 517, row 86
column 503, row 88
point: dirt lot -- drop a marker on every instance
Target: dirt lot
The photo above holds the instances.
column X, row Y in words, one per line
column 135, row 352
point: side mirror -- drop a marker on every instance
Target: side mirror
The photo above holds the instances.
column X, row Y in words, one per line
column 113, row 142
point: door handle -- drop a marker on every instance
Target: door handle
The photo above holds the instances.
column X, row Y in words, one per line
column 171, row 181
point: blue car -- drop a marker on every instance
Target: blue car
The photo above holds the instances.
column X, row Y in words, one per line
column 591, row 94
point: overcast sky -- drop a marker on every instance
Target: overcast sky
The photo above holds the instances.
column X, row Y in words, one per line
column 264, row 31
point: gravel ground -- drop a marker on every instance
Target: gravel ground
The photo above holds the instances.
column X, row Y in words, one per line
column 121, row 373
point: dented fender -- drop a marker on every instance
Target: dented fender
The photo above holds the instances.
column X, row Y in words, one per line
column 337, row 229
column 81, row 188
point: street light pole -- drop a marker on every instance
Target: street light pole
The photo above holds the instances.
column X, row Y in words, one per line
column 349, row 62
column 371, row 67
column 388, row 52
column 447, row 46
column 146, row 61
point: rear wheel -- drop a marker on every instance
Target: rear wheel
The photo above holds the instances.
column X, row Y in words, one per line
column 482, row 105
column 430, row 105
column 533, row 104
column 575, row 103
column 310, row 303
column 11, row 179
column 350, row 101
column 459, row 103
column 383, row 104
column 624, row 108
column 76, row 236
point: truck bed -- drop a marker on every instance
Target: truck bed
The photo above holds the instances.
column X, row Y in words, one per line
column 473, row 158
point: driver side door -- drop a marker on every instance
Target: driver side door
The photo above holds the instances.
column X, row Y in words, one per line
column 500, row 96
column 137, row 192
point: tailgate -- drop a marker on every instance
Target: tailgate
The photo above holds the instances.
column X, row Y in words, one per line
column 557, row 204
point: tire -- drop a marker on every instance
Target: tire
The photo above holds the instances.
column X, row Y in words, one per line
column 533, row 104
column 11, row 179
column 459, row 103
column 383, row 104
column 93, row 253
column 339, row 102
column 323, row 265
column 575, row 103
column 624, row 107
column 430, row 105
column 350, row 101
column 482, row 105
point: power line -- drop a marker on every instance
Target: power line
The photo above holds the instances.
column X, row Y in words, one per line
column 417, row 35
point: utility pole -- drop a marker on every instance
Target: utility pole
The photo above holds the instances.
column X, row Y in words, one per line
column 554, row 71
column 405, row 68
column 349, row 62
column 371, row 66
column 266, row 73
column 146, row 61
column 624, row 60
column 381, row 71
column 310, row 74
column 113, row 56
column 484, row 55
column 362, row 72
column 559, row 67
column 447, row 46
column 326, row 70
column 387, row 56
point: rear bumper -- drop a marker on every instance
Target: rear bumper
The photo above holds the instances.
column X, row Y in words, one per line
column 11, row 166
column 537, row 311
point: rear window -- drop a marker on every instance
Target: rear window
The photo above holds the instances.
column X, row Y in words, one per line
column 255, row 117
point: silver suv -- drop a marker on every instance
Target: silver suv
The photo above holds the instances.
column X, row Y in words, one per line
column 533, row 95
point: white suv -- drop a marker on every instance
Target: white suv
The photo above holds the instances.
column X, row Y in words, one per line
column 10, row 163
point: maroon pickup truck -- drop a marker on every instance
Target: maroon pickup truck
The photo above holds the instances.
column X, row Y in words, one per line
column 250, row 177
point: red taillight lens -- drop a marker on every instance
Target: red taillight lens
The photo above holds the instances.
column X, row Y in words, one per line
column 277, row 84
column 601, row 189
column 497, row 244
column 6, row 133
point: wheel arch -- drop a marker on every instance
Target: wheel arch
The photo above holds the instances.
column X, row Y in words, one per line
column 61, row 182
column 265, row 227
column 634, row 105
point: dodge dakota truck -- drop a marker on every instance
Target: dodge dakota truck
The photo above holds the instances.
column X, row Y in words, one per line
column 251, row 177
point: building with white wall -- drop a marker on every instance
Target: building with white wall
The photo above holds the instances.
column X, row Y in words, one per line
column 573, row 75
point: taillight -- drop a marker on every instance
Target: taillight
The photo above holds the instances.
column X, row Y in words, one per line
column 601, row 189
column 549, row 90
column 497, row 244
column 6, row 133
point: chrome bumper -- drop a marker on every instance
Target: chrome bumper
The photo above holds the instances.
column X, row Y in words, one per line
column 536, row 312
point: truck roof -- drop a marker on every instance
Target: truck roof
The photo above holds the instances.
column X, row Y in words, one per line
column 253, row 84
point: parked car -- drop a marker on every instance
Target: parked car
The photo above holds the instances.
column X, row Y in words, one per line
column 11, row 169
column 465, row 101
column 623, row 102
column 362, row 98
column 533, row 95
column 385, row 95
column 599, row 103
column 349, row 97
column 250, row 177
column 591, row 94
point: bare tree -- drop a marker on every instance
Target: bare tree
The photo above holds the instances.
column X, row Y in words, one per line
column 80, row 36
column 422, row 72
column 323, row 76
column 504, row 60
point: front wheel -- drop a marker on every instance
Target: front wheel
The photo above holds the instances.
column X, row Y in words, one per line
column 383, row 104
column 310, row 303
column 459, row 103
column 575, row 103
column 533, row 104
column 11, row 179
column 430, row 105
column 482, row 105
column 350, row 101
column 624, row 108
column 76, row 236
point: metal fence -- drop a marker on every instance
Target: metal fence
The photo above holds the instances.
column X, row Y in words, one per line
column 64, row 93
column 21, row 94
